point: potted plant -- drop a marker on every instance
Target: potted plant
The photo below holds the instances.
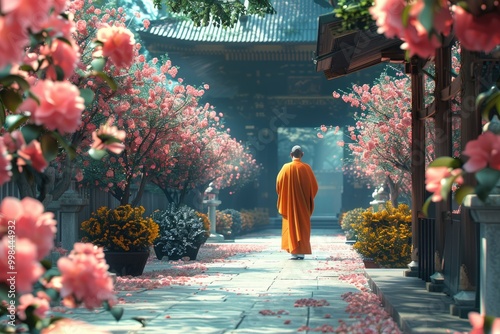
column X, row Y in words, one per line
column 349, row 221
column 385, row 236
column 224, row 223
column 125, row 235
column 182, row 232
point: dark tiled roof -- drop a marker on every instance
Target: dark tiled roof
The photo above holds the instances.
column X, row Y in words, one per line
column 295, row 21
column 340, row 53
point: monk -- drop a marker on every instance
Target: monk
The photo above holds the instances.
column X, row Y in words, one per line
column 296, row 186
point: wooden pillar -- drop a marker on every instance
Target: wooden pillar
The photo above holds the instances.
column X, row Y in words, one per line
column 470, row 129
column 417, row 147
column 442, row 136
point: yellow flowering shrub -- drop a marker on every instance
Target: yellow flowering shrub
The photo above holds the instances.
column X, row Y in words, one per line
column 224, row 222
column 206, row 222
column 122, row 229
column 349, row 220
column 385, row 236
column 253, row 219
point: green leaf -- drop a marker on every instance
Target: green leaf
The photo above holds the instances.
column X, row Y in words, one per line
column 98, row 64
column 31, row 132
column 488, row 324
column 405, row 16
column 487, row 100
column 141, row 320
column 88, row 96
column 50, row 148
column 462, row 192
column 10, row 79
column 426, row 16
column 116, row 312
column 5, row 71
column 487, row 179
column 13, row 122
column 97, row 154
column 2, row 113
column 446, row 186
column 446, row 162
column 59, row 72
column 425, row 207
column 11, row 99
column 46, row 264
column 111, row 83
column 65, row 145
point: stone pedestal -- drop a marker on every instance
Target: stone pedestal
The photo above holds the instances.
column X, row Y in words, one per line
column 66, row 212
column 487, row 215
column 212, row 207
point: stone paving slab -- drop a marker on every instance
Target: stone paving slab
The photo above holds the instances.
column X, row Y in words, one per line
column 234, row 295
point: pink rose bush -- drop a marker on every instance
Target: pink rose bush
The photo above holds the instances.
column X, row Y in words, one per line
column 482, row 160
column 39, row 57
column 86, row 264
column 483, row 324
column 26, row 238
column 43, row 105
column 423, row 25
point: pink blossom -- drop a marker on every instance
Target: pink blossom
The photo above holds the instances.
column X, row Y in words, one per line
column 477, row 33
column 60, row 105
column 387, row 14
column 14, row 39
column 28, row 13
column 63, row 55
column 31, row 222
column 483, row 152
column 79, row 175
column 108, row 137
column 32, row 153
column 477, row 322
column 416, row 38
column 40, row 303
column 27, row 267
column 434, row 178
column 13, row 141
column 85, row 277
column 118, row 45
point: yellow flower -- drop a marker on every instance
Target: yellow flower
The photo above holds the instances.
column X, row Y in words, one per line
column 385, row 236
column 121, row 229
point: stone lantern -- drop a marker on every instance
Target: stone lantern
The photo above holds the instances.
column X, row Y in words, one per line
column 212, row 201
column 380, row 197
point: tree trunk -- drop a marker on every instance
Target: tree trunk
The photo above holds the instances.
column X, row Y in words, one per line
column 140, row 191
column 393, row 192
column 25, row 187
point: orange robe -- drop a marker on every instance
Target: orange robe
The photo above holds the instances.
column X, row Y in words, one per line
column 296, row 186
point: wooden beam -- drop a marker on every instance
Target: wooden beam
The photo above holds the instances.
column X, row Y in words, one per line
column 447, row 93
column 417, row 148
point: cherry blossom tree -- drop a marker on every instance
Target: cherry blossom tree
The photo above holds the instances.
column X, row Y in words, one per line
column 40, row 108
column 152, row 114
column 380, row 140
column 204, row 153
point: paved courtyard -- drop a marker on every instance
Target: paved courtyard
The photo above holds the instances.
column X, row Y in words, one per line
column 266, row 292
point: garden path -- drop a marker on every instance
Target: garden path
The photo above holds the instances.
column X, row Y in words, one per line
column 260, row 290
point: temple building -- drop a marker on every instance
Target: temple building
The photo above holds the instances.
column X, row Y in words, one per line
column 262, row 76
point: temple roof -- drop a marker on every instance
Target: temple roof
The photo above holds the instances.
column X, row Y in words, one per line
column 341, row 52
column 295, row 21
